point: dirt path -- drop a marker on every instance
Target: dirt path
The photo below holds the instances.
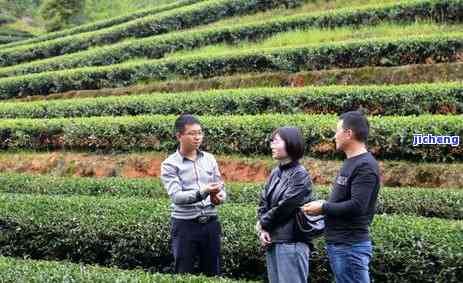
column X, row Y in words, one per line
column 140, row 165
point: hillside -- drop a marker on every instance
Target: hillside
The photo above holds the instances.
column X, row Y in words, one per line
column 87, row 115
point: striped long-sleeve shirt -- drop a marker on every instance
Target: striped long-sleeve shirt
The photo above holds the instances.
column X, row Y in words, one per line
column 183, row 178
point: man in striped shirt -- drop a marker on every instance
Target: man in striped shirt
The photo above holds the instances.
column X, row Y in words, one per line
column 193, row 181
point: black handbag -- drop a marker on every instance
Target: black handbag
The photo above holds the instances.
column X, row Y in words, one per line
column 309, row 227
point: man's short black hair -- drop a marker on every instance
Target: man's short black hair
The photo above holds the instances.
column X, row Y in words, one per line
column 294, row 141
column 358, row 123
column 183, row 120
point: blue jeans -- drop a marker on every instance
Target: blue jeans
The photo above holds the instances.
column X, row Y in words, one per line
column 288, row 263
column 349, row 263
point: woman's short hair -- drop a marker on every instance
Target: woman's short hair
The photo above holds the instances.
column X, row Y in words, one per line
column 293, row 139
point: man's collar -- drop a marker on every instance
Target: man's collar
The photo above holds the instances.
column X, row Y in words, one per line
column 183, row 158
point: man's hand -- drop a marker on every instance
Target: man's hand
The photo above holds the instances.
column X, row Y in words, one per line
column 211, row 188
column 218, row 198
column 314, row 207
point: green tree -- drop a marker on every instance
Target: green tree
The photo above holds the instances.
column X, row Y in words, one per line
column 60, row 14
column 19, row 8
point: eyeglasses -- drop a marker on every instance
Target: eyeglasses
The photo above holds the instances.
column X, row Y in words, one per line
column 195, row 134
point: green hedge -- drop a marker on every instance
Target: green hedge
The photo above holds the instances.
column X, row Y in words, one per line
column 443, row 203
column 135, row 233
column 19, row 270
column 379, row 52
column 5, row 19
column 446, row 98
column 410, row 74
column 181, row 18
column 14, row 32
column 426, row 202
column 157, row 47
column 9, row 38
column 8, row 35
column 105, row 23
column 390, row 137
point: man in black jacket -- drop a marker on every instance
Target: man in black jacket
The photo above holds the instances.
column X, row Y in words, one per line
column 352, row 204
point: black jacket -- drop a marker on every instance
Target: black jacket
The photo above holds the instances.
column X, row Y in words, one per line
column 288, row 188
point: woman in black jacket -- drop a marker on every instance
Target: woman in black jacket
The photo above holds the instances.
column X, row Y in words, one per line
column 287, row 189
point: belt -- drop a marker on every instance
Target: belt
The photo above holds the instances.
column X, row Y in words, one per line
column 203, row 219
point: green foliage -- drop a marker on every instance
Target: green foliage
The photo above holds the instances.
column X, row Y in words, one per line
column 5, row 19
column 443, row 203
column 14, row 32
column 96, row 10
column 390, row 137
column 158, row 46
column 414, row 99
column 8, row 39
column 60, row 14
column 17, row 270
column 103, row 23
column 379, row 52
column 8, row 35
column 130, row 232
column 184, row 17
column 118, row 222
column 20, row 8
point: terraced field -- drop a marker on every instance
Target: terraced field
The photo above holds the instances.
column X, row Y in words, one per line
column 87, row 116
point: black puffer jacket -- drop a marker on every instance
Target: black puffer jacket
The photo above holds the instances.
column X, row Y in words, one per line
column 288, row 188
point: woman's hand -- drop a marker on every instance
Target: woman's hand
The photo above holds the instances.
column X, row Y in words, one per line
column 265, row 238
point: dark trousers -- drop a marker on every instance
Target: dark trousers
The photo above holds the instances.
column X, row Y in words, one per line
column 191, row 241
